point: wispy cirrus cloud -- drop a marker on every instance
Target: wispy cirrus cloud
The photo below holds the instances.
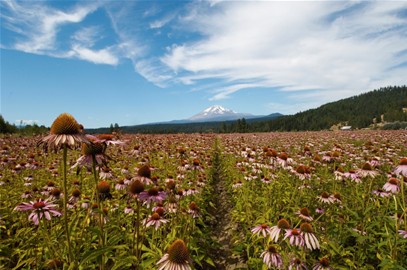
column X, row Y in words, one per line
column 39, row 28
column 294, row 46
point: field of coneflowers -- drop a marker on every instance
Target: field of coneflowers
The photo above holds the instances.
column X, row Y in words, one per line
column 300, row 200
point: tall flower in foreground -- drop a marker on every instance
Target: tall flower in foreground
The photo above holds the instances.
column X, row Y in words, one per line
column 307, row 233
column 272, row 258
column 40, row 208
column 177, row 257
column 401, row 168
column 64, row 131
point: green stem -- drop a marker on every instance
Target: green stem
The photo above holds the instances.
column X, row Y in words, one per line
column 68, row 238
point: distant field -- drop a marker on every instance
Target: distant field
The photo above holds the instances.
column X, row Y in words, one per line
column 305, row 200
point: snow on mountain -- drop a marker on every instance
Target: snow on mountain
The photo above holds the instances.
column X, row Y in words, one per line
column 217, row 113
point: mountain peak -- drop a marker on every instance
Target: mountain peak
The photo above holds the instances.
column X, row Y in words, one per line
column 216, row 113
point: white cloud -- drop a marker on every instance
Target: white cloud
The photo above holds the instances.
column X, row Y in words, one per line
column 24, row 122
column 103, row 56
column 335, row 46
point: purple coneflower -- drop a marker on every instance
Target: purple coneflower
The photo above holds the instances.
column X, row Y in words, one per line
column 381, row 193
column 295, row 237
column 307, row 233
column 40, row 208
column 393, row 185
column 152, row 195
column 304, row 214
column 120, row 185
column 297, row 264
column 90, row 152
column 323, row 264
column 194, row 210
column 128, row 210
column 64, row 131
column 403, row 233
column 177, row 257
column 272, row 258
column 261, row 229
column 275, row 230
column 325, row 198
column 353, row 176
column 155, row 220
column 401, row 168
column 367, row 171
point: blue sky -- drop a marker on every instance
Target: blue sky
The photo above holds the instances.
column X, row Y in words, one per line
column 134, row 62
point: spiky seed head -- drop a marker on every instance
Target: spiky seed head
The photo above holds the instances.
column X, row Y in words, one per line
column 283, row 224
column 65, row 124
column 403, row 161
column 104, row 187
column 178, row 252
column 144, row 171
column 306, row 227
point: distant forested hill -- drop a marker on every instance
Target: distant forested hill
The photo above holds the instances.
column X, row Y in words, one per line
column 359, row 111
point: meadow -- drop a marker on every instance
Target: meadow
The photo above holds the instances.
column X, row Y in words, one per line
column 298, row 200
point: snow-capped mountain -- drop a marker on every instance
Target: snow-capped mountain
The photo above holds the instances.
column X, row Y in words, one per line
column 218, row 113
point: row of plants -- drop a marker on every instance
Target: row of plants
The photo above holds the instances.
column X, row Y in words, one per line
column 319, row 200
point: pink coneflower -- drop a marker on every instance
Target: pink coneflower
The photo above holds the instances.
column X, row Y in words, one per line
column 295, row 237
column 303, row 172
column 64, row 131
column 401, row 169
column 297, row 264
column 381, row 193
column 304, row 214
column 353, row 176
column 193, row 209
column 237, row 184
column 155, row 220
column 90, row 152
column 393, row 185
column 367, row 171
column 319, row 210
column 105, row 173
column 128, row 210
column 171, row 205
column 272, row 258
column 261, row 229
column 152, row 195
column 108, row 139
column 311, row 241
column 27, row 194
column 177, row 257
column 403, row 233
column 120, row 185
column 325, row 198
column 323, row 264
column 275, row 230
column 40, row 208
column 86, row 202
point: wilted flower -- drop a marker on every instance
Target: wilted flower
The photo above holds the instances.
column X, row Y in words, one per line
column 40, row 208
column 177, row 257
